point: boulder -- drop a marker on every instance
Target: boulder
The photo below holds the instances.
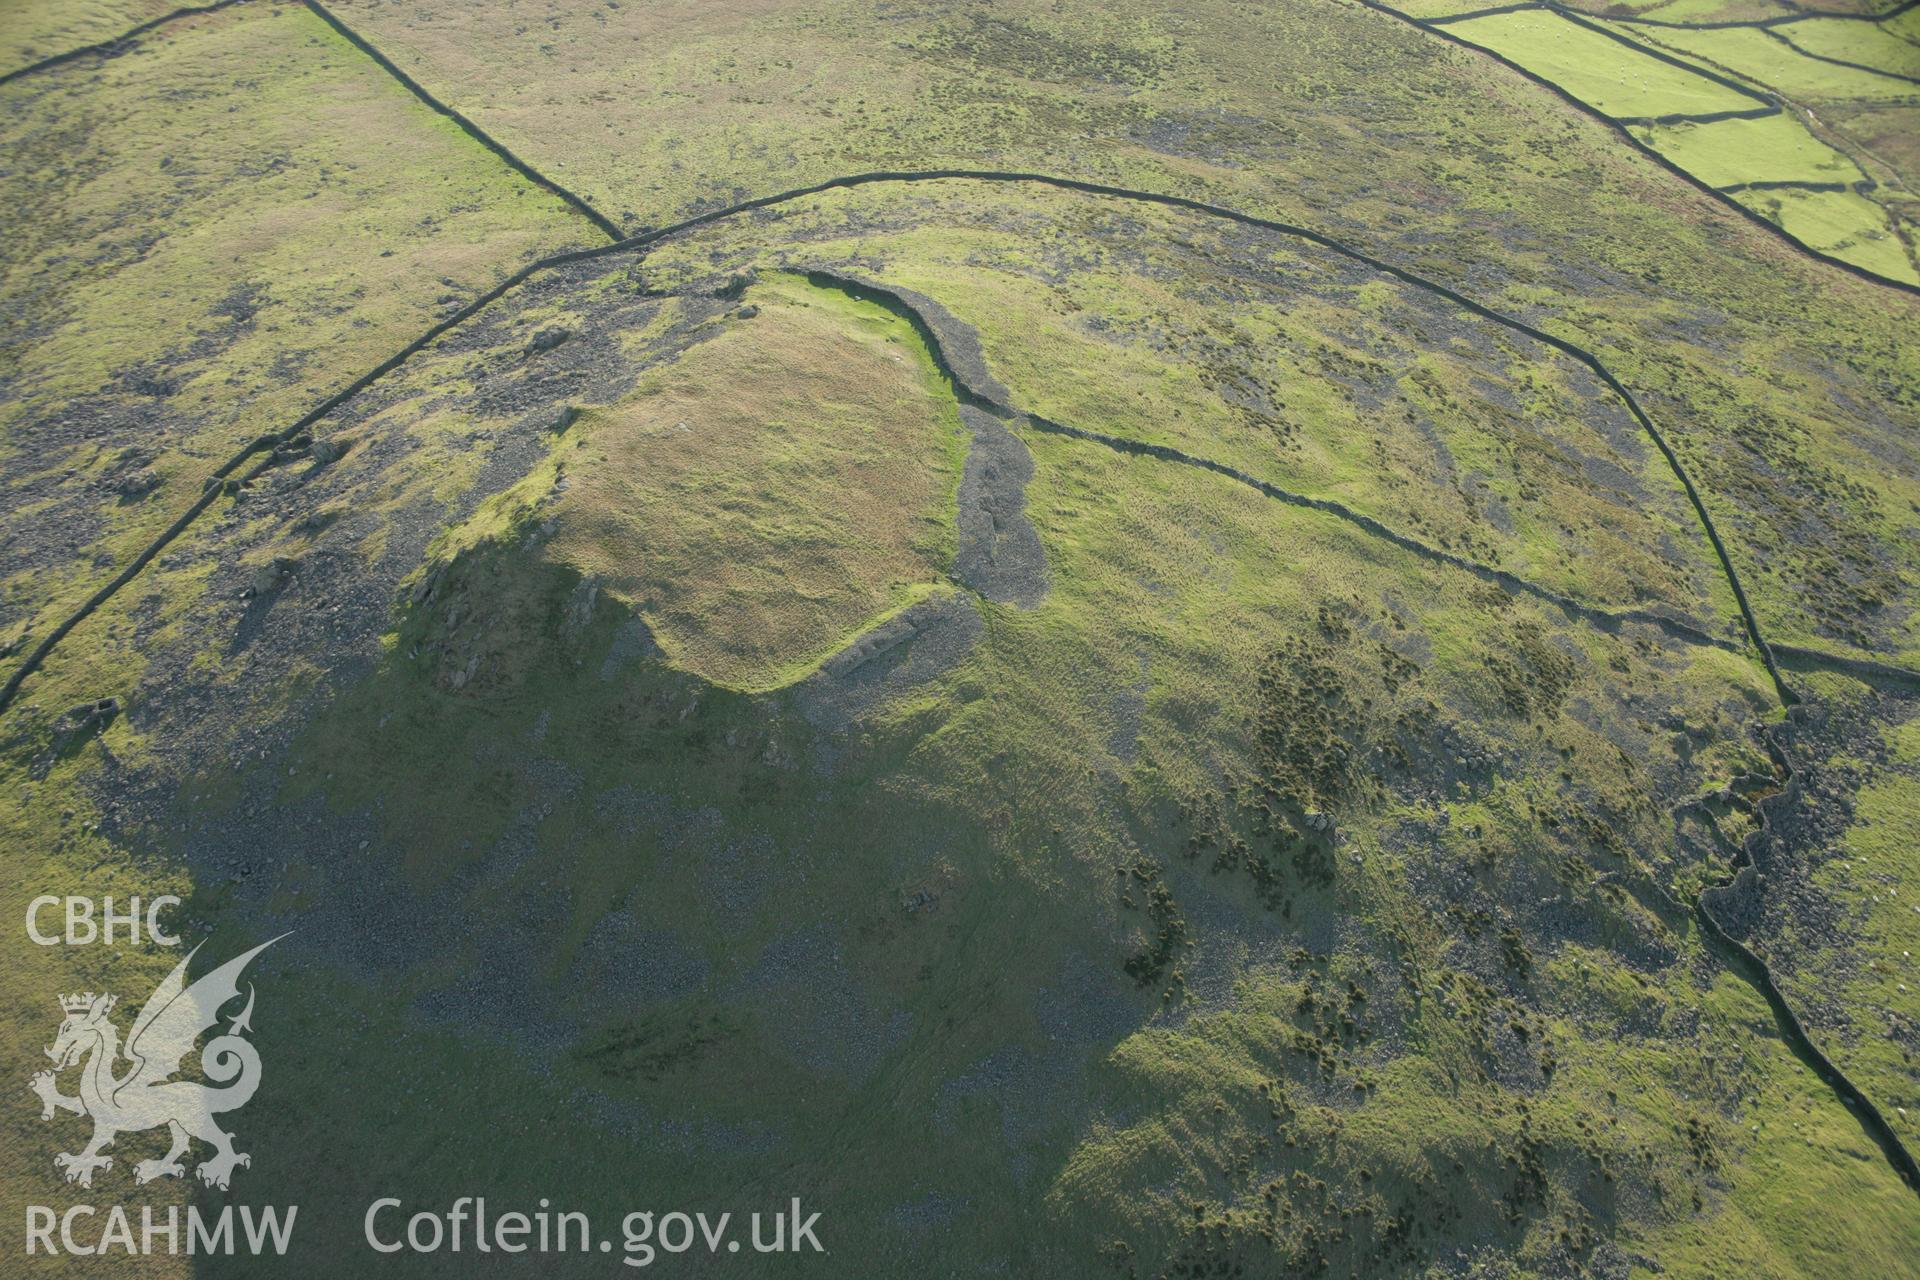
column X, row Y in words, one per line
column 137, row 484
column 84, row 720
column 549, row 338
column 269, row 577
column 424, row 589
column 580, row 606
column 96, row 709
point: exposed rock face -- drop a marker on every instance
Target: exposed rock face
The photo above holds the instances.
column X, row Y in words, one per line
column 632, row 640
column 894, row 631
column 137, row 484
column 429, row 582
column 580, row 605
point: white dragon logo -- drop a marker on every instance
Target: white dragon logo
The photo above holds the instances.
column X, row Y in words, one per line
column 145, row 1096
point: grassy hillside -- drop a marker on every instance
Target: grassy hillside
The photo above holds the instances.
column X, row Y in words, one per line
column 210, row 235
column 1080, row 736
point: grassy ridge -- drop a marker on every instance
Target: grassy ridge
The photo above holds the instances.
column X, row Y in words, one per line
column 759, row 534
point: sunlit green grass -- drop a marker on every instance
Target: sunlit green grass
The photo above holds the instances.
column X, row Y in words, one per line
column 1025, row 785
column 1753, row 55
column 1843, row 223
column 1888, row 45
column 37, row 29
column 1773, row 148
column 1613, row 78
column 1599, row 71
column 251, row 250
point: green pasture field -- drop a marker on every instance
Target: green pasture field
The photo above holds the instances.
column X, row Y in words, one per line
column 1888, row 45
column 1751, row 54
column 1600, row 72
column 1843, row 223
column 1773, row 148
